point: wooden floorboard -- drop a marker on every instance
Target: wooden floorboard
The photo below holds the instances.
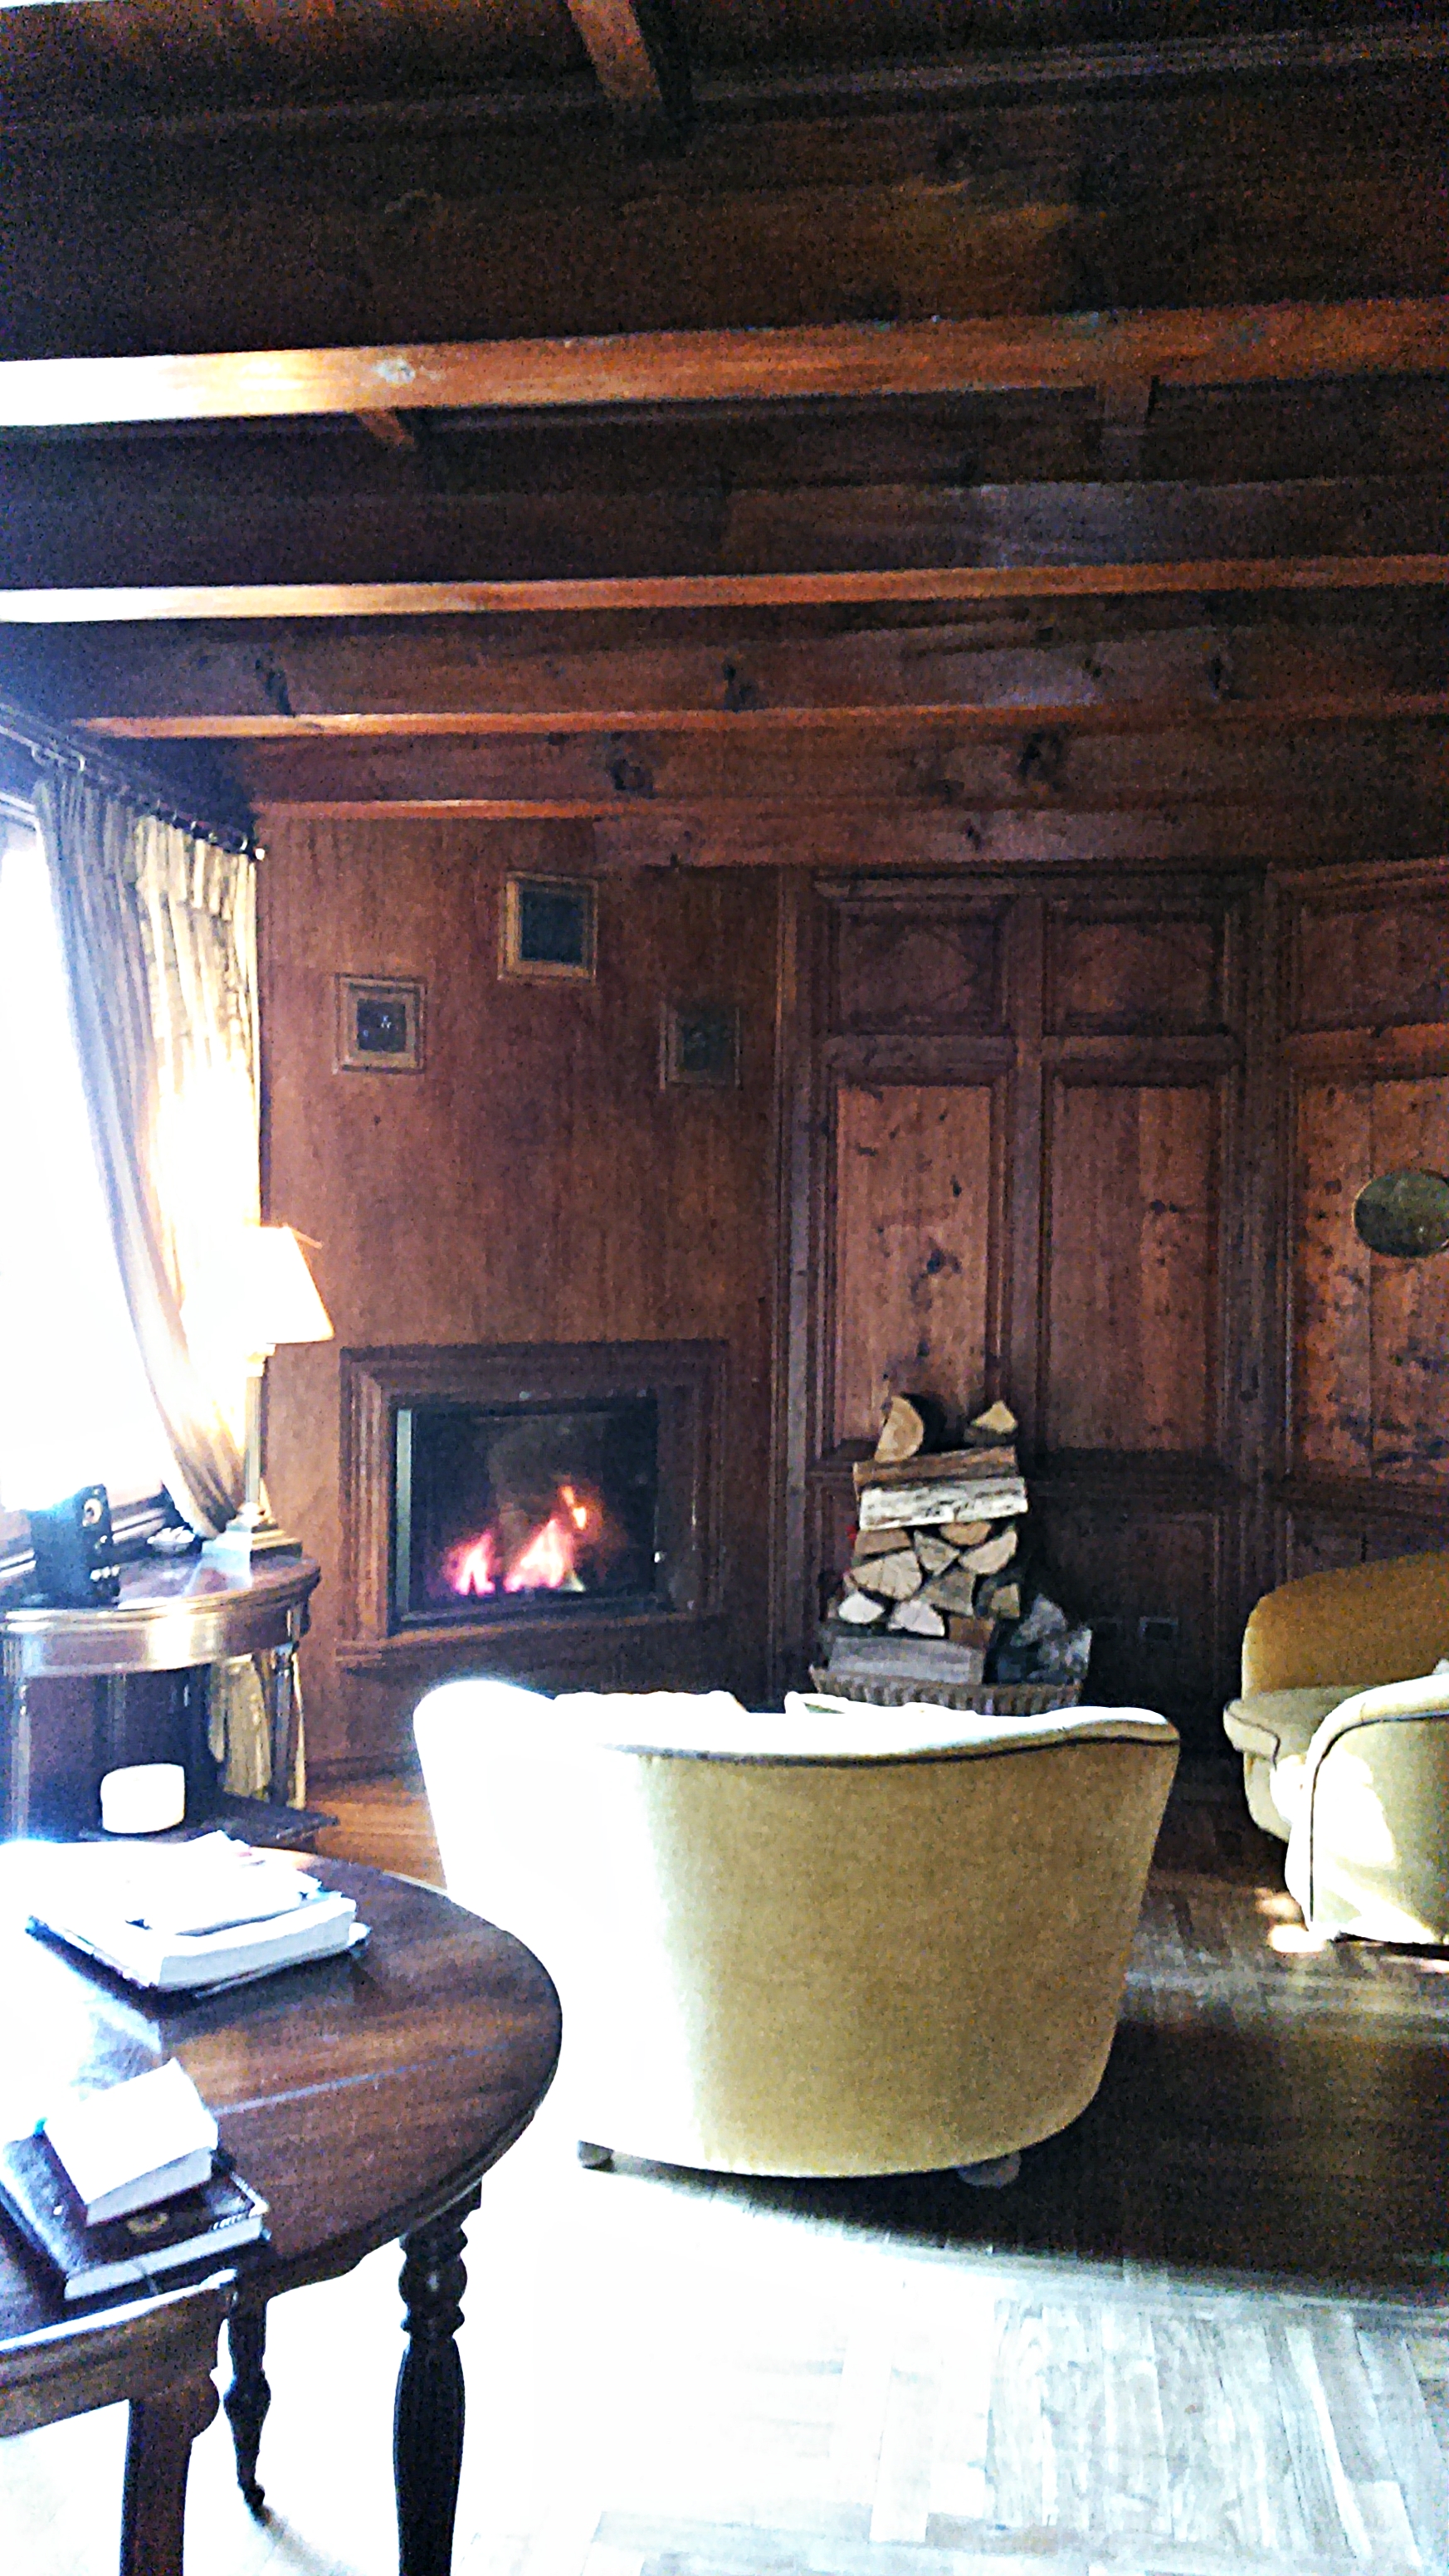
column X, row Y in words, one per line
column 1204, row 2335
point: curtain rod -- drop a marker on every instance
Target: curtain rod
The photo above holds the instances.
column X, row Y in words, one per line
column 60, row 749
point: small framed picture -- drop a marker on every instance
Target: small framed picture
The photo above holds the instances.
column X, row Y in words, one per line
column 379, row 1024
column 549, row 929
column 699, row 1048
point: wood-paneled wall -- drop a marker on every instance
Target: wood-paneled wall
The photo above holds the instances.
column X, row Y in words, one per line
column 1089, row 1141
column 1364, row 1352
column 1094, row 1145
column 533, row 1183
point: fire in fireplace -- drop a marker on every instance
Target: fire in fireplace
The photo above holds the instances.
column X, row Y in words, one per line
column 548, row 1510
column 501, row 1508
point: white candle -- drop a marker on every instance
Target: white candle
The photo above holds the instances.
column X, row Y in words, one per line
column 143, row 1799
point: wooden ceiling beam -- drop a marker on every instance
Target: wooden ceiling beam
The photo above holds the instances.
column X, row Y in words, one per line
column 905, row 838
column 137, row 605
column 1362, row 704
column 638, row 52
column 1226, row 345
column 225, row 530
column 585, row 777
column 235, row 682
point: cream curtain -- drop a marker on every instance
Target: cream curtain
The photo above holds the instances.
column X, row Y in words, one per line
column 158, row 928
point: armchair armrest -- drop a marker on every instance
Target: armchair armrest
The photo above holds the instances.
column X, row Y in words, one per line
column 1368, row 1853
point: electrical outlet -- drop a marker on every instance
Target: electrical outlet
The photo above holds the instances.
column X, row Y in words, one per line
column 1157, row 1632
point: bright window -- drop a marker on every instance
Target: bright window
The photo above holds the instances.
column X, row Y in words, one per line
column 75, row 1408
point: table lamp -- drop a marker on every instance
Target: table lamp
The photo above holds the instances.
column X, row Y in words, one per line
column 265, row 1296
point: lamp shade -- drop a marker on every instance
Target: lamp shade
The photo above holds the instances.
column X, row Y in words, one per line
column 264, row 1295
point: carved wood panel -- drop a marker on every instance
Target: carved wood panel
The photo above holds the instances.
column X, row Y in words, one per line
column 1153, row 968
column 914, row 1225
column 1133, row 1223
column 1317, row 1539
column 936, row 967
column 1151, row 1581
column 1370, row 1336
column 1372, row 957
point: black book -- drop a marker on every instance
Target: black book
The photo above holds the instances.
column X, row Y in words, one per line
column 197, row 2226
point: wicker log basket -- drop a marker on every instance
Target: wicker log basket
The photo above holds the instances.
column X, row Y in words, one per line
column 987, row 1699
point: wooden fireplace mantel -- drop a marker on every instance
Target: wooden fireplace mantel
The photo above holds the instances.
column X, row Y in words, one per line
column 572, row 1648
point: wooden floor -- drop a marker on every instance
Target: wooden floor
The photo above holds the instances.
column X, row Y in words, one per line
column 1204, row 2335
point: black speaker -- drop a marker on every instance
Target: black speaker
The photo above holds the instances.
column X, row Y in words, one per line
column 75, row 1553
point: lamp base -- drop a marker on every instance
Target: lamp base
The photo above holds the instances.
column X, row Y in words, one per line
column 243, row 1541
column 268, row 1540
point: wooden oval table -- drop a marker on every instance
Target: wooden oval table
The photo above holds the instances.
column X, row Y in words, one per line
column 364, row 2097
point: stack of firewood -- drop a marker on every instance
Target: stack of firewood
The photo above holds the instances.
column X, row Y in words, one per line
column 934, row 1582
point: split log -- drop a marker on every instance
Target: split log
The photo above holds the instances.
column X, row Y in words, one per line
column 955, row 1590
column 891, row 1578
column 902, row 1432
column 992, row 1555
column 970, row 1632
column 917, row 1619
column 934, row 1553
column 960, row 1533
column 995, row 1600
column 998, row 1458
column 859, row 1610
column 881, row 1661
column 929, row 1506
column 869, row 1543
column 998, row 1421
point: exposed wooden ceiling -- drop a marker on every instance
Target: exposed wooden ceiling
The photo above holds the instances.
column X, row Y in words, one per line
column 74, row 57
column 1012, row 432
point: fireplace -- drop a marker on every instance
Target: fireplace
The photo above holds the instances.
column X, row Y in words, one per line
column 544, row 1510
column 507, row 1510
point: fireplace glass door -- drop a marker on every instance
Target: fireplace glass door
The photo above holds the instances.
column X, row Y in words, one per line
column 500, row 1510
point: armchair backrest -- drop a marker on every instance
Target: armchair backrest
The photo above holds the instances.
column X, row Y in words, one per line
column 779, row 1960
column 1358, row 1624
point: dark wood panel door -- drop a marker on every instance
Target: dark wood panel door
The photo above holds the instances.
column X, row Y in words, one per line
column 1020, row 1171
column 917, row 1225
column 1363, row 1089
column 1370, row 1336
column 1130, row 1333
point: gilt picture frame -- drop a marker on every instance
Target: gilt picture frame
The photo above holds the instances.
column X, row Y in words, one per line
column 699, row 1046
column 380, row 1024
column 549, row 930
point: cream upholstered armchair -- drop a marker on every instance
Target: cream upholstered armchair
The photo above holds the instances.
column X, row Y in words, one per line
column 839, row 1941
column 1343, row 1726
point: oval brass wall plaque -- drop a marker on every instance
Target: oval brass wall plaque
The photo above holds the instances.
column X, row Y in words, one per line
column 1405, row 1214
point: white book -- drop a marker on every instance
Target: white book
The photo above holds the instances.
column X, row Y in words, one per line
column 127, row 1910
column 130, row 2145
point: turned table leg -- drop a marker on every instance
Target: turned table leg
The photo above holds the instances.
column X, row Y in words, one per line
column 427, row 2435
column 158, row 2455
column 248, row 2397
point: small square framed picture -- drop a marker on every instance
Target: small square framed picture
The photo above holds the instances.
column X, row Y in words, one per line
column 699, row 1047
column 549, row 929
column 379, row 1024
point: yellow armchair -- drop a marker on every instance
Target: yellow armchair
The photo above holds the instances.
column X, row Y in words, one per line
column 1343, row 1725
column 841, row 1940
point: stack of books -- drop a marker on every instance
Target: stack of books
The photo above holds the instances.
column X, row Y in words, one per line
column 187, row 1917
column 127, row 2185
